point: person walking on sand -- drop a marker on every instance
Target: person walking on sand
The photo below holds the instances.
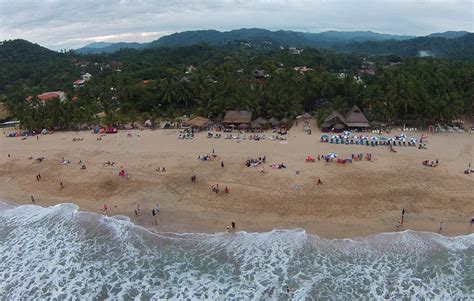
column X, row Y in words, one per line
column 157, row 208
column 32, row 199
column 440, row 227
column 222, row 164
column 61, row 184
column 8, row 156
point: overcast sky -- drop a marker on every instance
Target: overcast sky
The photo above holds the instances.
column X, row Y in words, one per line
column 61, row 24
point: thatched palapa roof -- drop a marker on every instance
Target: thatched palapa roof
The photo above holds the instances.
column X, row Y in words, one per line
column 256, row 125
column 3, row 111
column 325, row 125
column 261, row 120
column 334, row 118
column 355, row 118
column 274, row 121
column 199, row 122
column 237, row 117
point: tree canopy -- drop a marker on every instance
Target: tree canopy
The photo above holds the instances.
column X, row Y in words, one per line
column 129, row 85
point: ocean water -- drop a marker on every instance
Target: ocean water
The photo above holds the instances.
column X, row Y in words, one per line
column 62, row 253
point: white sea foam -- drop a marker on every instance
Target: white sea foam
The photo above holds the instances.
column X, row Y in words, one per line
column 59, row 252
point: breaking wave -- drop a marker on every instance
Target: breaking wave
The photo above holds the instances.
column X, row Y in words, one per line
column 60, row 252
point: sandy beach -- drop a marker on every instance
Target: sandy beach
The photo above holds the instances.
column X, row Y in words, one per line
column 355, row 199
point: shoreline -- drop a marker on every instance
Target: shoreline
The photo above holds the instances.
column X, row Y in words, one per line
column 356, row 200
column 323, row 230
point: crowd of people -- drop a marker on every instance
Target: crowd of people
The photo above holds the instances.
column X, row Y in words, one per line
column 255, row 162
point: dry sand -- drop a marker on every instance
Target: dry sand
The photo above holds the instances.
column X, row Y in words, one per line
column 355, row 200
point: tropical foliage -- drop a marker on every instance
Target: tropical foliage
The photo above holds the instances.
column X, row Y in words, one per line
column 133, row 85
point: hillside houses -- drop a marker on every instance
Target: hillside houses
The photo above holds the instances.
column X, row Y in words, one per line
column 49, row 96
column 80, row 82
column 302, row 69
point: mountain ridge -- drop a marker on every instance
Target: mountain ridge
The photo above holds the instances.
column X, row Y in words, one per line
column 326, row 39
column 285, row 37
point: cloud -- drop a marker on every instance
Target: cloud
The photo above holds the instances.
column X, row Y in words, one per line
column 73, row 23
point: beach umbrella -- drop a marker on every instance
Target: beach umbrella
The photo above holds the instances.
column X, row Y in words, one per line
column 383, row 138
column 324, row 136
column 339, row 126
column 373, row 138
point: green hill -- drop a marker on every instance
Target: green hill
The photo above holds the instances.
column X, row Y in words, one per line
column 456, row 48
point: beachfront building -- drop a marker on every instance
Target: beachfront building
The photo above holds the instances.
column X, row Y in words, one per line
column 4, row 114
column 200, row 122
column 237, row 118
column 354, row 119
column 335, row 120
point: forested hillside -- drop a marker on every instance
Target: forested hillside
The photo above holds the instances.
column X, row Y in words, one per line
column 460, row 48
column 132, row 85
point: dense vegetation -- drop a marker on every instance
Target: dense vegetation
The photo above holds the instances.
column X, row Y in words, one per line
column 417, row 89
column 455, row 48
